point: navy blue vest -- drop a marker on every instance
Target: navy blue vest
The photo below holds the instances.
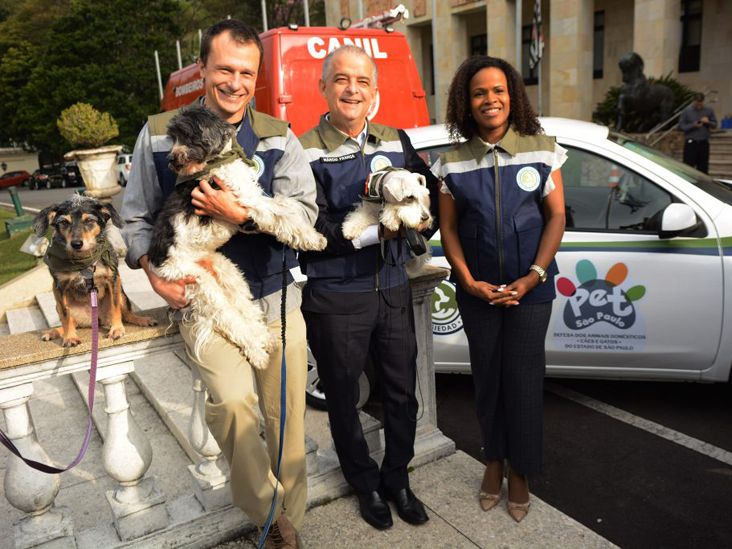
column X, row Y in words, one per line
column 341, row 175
column 500, row 214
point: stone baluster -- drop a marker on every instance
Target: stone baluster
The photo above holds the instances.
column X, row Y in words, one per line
column 138, row 506
column 31, row 491
column 430, row 443
column 209, row 477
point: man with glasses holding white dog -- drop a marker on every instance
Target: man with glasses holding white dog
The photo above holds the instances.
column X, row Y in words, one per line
column 231, row 52
column 357, row 301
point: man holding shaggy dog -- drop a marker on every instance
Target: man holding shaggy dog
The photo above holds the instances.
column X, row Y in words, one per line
column 357, row 301
column 229, row 62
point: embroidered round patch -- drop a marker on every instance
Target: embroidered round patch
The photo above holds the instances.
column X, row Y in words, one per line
column 379, row 162
column 259, row 166
column 528, row 178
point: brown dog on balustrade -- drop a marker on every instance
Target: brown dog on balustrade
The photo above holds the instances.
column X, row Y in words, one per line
column 80, row 253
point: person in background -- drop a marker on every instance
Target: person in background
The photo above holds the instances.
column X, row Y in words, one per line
column 357, row 301
column 501, row 222
column 696, row 121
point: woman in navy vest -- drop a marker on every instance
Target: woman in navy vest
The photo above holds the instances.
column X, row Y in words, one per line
column 501, row 220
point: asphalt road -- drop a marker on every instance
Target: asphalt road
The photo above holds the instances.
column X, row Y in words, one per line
column 633, row 487
column 45, row 197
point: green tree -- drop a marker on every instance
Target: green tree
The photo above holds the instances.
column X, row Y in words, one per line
column 101, row 53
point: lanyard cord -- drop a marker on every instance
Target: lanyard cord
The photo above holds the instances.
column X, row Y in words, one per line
column 283, row 399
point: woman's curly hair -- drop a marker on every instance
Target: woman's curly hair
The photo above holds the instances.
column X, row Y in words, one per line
column 459, row 119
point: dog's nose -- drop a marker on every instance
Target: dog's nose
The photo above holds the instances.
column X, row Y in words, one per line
column 425, row 217
column 77, row 244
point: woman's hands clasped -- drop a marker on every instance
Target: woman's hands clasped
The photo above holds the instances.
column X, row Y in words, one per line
column 505, row 295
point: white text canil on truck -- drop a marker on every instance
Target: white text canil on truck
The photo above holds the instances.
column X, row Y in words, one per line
column 317, row 49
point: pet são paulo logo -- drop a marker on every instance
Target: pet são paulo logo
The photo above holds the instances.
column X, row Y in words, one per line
column 599, row 300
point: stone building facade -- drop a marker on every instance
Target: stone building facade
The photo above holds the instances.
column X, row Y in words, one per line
column 584, row 39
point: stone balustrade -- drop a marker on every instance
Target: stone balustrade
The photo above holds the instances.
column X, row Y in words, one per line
column 141, row 512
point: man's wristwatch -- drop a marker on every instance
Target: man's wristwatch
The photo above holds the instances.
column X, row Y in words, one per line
column 538, row 270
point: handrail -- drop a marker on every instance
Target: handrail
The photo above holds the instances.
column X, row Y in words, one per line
column 711, row 96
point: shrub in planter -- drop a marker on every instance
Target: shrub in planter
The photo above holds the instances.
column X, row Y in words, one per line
column 84, row 126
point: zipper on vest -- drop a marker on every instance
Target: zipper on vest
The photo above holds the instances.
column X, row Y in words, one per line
column 499, row 229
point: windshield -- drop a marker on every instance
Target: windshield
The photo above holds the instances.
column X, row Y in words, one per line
column 717, row 189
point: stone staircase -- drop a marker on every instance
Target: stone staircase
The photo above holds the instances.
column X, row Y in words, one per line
column 720, row 154
column 148, row 402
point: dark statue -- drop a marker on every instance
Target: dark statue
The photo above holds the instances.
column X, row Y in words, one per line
column 641, row 104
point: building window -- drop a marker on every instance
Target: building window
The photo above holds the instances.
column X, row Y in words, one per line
column 598, row 47
column 530, row 75
column 479, row 44
column 691, row 35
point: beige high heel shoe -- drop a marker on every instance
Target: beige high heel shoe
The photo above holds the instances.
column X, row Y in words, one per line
column 488, row 501
column 518, row 511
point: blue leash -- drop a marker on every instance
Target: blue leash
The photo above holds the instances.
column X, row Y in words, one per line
column 283, row 402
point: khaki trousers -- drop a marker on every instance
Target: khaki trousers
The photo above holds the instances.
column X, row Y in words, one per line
column 231, row 414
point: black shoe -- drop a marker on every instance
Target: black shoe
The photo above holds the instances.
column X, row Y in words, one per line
column 409, row 508
column 374, row 510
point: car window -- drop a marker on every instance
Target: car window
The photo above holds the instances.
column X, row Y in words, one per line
column 431, row 155
column 717, row 189
column 605, row 196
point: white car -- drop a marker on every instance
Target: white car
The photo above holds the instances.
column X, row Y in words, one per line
column 644, row 289
column 124, row 165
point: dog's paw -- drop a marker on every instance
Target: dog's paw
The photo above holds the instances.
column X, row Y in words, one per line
column 51, row 334
column 116, row 332
column 148, row 321
column 71, row 341
column 259, row 357
column 350, row 230
column 317, row 243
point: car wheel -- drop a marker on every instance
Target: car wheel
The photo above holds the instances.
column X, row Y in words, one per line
column 48, row 183
column 63, row 183
column 33, row 185
column 314, row 395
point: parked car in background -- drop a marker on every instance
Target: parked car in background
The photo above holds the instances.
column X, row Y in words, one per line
column 14, row 179
column 71, row 174
column 643, row 290
column 124, row 165
column 48, row 177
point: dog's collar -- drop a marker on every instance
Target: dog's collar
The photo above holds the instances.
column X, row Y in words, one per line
column 374, row 184
column 58, row 259
column 235, row 153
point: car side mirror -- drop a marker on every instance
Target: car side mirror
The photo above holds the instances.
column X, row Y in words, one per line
column 678, row 220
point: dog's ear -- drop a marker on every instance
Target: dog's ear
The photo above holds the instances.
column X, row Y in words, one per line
column 43, row 219
column 108, row 212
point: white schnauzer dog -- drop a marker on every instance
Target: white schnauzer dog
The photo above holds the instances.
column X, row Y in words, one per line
column 184, row 244
column 396, row 198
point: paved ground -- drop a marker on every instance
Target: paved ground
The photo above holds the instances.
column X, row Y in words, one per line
column 634, row 487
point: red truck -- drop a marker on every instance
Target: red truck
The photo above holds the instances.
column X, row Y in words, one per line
column 287, row 86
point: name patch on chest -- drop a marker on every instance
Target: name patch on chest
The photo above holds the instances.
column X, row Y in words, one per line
column 336, row 159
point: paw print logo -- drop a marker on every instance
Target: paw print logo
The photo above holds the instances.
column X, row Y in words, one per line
column 599, row 299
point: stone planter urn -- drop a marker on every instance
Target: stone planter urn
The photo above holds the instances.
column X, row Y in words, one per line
column 97, row 168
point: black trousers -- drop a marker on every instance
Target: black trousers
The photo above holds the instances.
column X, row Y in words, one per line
column 344, row 329
column 508, row 361
column 696, row 154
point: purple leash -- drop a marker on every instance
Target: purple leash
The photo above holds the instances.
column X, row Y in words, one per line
column 92, row 386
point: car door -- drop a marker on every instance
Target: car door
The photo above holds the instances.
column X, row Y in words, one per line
column 629, row 302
